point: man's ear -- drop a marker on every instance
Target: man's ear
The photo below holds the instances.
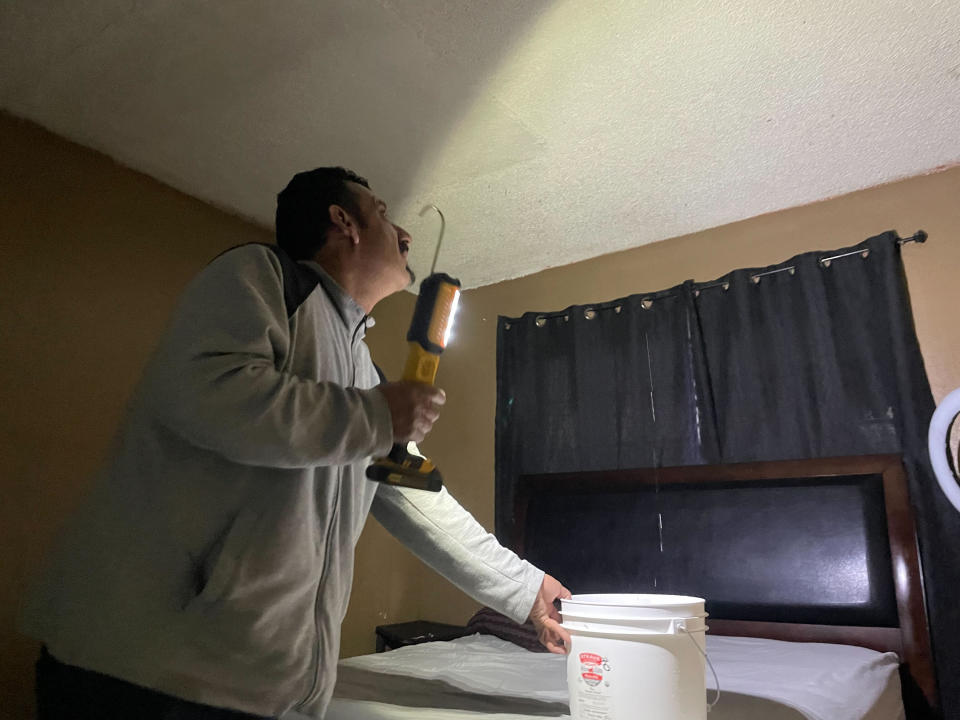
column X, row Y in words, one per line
column 345, row 223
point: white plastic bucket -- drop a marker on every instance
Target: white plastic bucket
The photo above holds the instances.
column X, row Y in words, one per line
column 622, row 665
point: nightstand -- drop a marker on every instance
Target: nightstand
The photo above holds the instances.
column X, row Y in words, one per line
column 397, row 635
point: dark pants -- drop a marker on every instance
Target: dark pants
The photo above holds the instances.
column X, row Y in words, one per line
column 68, row 692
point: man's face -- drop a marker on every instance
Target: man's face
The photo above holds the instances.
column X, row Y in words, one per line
column 383, row 244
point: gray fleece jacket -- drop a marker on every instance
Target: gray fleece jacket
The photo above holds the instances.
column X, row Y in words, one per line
column 214, row 557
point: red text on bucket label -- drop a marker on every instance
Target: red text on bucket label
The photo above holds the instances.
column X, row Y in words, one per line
column 592, row 678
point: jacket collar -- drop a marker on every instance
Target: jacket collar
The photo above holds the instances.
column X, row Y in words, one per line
column 349, row 310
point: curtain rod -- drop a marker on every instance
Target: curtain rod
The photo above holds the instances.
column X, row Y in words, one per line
column 920, row 236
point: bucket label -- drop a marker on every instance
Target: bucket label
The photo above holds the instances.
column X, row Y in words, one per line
column 591, row 699
column 592, row 669
column 593, row 665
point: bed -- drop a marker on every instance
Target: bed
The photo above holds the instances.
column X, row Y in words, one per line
column 810, row 570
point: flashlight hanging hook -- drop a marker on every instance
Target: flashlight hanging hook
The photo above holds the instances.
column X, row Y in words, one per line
column 443, row 227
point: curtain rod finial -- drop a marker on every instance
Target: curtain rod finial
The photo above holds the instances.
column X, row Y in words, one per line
column 920, row 236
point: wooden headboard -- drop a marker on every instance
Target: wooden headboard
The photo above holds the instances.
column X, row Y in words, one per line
column 818, row 550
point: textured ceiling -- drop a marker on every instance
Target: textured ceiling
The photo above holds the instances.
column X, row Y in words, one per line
column 547, row 132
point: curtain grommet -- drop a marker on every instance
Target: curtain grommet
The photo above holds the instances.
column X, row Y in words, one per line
column 726, row 286
column 506, row 326
column 646, row 303
column 617, row 309
column 755, row 279
column 589, row 313
column 865, row 254
column 540, row 321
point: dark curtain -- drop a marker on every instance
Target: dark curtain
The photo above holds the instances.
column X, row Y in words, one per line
column 809, row 358
column 617, row 385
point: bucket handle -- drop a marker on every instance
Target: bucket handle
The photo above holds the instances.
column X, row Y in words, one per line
column 683, row 628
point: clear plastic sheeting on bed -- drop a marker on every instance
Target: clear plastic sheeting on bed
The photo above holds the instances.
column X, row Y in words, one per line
column 476, row 675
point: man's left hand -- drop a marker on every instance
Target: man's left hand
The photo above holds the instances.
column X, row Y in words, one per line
column 546, row 618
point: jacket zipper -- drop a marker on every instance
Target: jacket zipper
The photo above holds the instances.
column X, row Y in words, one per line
column 315, row 663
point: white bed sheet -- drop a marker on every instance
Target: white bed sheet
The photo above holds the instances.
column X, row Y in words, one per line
column 762, row 679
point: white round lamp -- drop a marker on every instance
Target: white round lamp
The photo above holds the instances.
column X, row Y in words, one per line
column 938, row 443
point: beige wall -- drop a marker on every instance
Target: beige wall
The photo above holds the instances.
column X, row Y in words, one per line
column 94, row 255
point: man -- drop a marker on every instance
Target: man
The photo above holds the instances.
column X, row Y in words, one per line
column 209, row 572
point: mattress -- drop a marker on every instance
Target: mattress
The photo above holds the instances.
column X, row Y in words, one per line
column 480, row 675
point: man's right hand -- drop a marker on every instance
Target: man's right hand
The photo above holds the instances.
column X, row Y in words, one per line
column 414, row 408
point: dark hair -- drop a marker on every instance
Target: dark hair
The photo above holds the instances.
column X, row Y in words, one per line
column 303, row 216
